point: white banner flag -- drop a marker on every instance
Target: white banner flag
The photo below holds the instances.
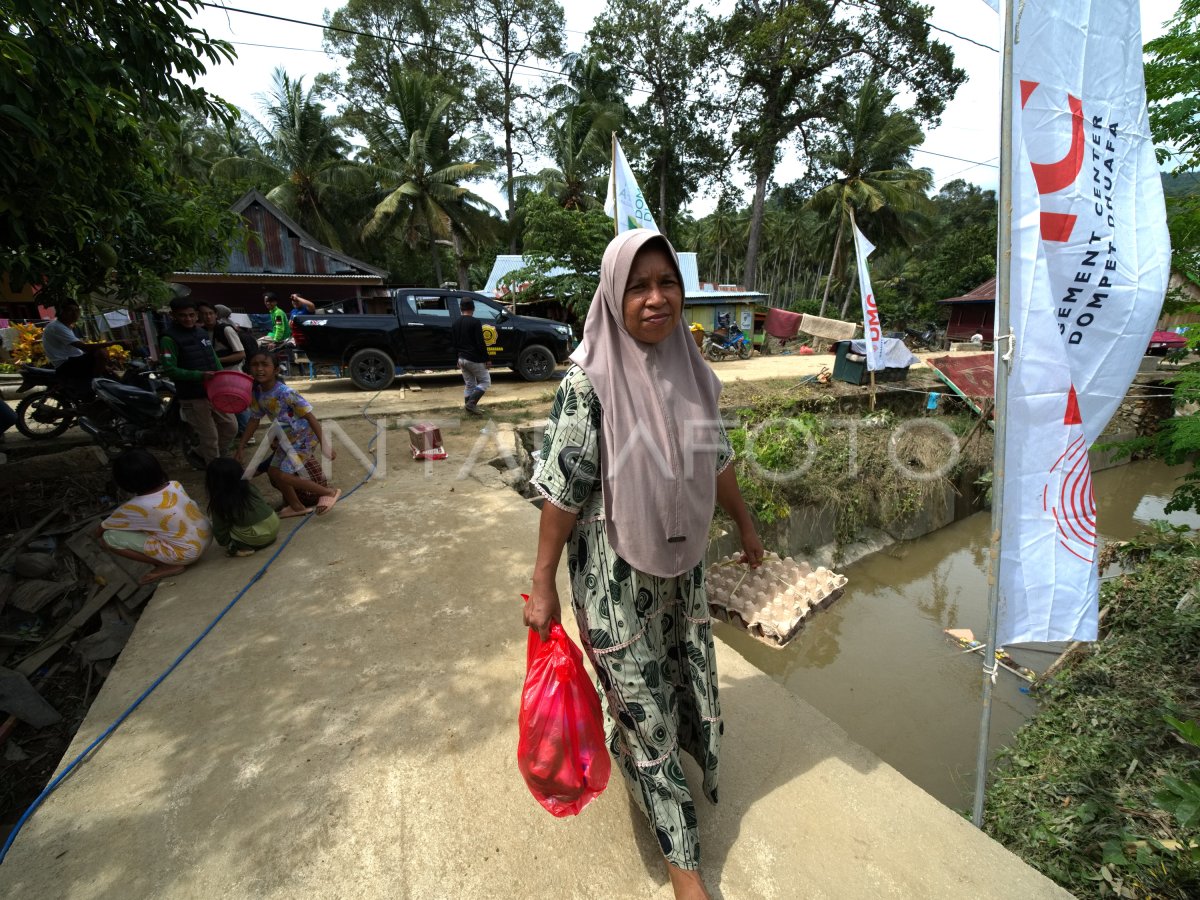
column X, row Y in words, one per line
column 624, row 201
column 872, row 332
column 1090, row 260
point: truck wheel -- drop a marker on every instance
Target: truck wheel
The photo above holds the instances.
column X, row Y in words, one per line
column 371, row 370
column 536, row 363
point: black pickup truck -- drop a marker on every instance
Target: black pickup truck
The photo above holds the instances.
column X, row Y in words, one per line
column 411, row 329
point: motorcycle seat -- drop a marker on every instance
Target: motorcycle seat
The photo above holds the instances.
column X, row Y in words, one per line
column 124, row 392
column 39, row 372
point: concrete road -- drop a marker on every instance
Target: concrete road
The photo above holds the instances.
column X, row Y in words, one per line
column 348, row 730
column 337, row 398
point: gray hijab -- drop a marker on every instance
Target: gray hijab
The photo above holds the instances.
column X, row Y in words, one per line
column 659, row 433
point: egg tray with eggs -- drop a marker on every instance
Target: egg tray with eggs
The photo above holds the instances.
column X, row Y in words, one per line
column 774, row 602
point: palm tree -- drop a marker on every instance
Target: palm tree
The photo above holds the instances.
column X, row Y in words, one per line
column 419, row 165
column 719, row 233
column 579, row 145
column 871, row 148
column 300, row 161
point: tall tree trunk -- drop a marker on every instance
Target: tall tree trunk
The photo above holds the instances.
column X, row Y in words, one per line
column 437, row 262
column 756, row 223
column 849, row 293
column 662, row 195
column 833, row 265
column 464, row 277
column 508, row 164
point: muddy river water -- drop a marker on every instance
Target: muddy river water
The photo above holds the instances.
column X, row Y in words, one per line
column 878, row 664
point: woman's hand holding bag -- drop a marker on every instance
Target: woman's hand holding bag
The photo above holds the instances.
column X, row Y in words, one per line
column 560, row 751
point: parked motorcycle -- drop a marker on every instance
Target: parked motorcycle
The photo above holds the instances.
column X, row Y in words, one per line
column 929, row 338
column 137, row 417
column 52, row 410
column 726, row 340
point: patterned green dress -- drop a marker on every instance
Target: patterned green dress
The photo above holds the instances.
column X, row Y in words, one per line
column 649, row 638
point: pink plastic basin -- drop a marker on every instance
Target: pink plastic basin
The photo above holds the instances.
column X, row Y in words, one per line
column 229, row 391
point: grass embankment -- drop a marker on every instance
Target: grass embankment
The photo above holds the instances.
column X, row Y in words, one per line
column 1100, row 791
column 873, row 469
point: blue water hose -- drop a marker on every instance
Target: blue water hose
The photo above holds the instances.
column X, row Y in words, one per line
column 58, row 779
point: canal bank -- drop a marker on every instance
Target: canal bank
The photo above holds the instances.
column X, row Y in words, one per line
column 878, row 663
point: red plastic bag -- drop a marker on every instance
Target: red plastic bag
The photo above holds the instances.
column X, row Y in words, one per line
column 561, row 751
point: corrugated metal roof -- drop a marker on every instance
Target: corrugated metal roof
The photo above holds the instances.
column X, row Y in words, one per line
column 688, row 268
column 691, row 298
column 278, row 246
column 985, row 293
column 506, row 263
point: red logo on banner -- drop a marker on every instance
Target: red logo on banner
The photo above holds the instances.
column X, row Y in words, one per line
column 1074, row 506
column 1072, row 416
column 1055, row 176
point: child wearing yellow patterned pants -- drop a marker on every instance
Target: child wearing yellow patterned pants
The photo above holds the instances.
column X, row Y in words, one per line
column 160, row 526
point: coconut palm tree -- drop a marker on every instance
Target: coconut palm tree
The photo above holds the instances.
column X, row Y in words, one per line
column 719, row 233
column 870, row 147
column 300, row 161
column 579, row 146
column 419, row 167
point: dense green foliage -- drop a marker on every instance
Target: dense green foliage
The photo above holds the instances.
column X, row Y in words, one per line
column 560, row 238
column 1173, row 87
column 1099, row 790
column 93, row 96
column 797, row 64
column 1173, row 91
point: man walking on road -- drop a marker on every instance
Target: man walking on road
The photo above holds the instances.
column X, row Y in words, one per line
column 467, row 336
column 188, row 355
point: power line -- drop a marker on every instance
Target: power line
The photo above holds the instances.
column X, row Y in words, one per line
column 280, row 47
column 974, row 162
column 555, row 74
column 354, row 32
column 932, row 27
column 948, row 178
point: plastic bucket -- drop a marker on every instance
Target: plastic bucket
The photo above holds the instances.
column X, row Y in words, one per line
column 229, row 391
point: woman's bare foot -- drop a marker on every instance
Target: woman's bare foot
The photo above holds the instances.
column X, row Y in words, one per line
column 687, row 884
column 289, row 512
column 158, row 573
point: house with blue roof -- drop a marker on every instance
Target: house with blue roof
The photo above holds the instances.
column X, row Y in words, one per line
column 703, row 301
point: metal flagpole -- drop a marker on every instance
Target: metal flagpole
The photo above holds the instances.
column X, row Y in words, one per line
column 1003, row 360
column 616, row 206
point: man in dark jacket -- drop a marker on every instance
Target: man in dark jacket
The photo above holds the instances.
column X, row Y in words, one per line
column 188, row 355
column 467, row 335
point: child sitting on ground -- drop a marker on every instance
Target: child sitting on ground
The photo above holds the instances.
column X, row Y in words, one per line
column 295, row 468
column 242, row 522
column 161, row 526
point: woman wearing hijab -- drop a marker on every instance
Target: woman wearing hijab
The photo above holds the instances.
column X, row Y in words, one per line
column 633, row 459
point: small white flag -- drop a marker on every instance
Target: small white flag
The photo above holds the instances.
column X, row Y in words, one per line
column 872, row 332
column 624, row 200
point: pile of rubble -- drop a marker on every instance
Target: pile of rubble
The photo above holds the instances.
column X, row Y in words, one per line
column 67, row 609
column 774, row 602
